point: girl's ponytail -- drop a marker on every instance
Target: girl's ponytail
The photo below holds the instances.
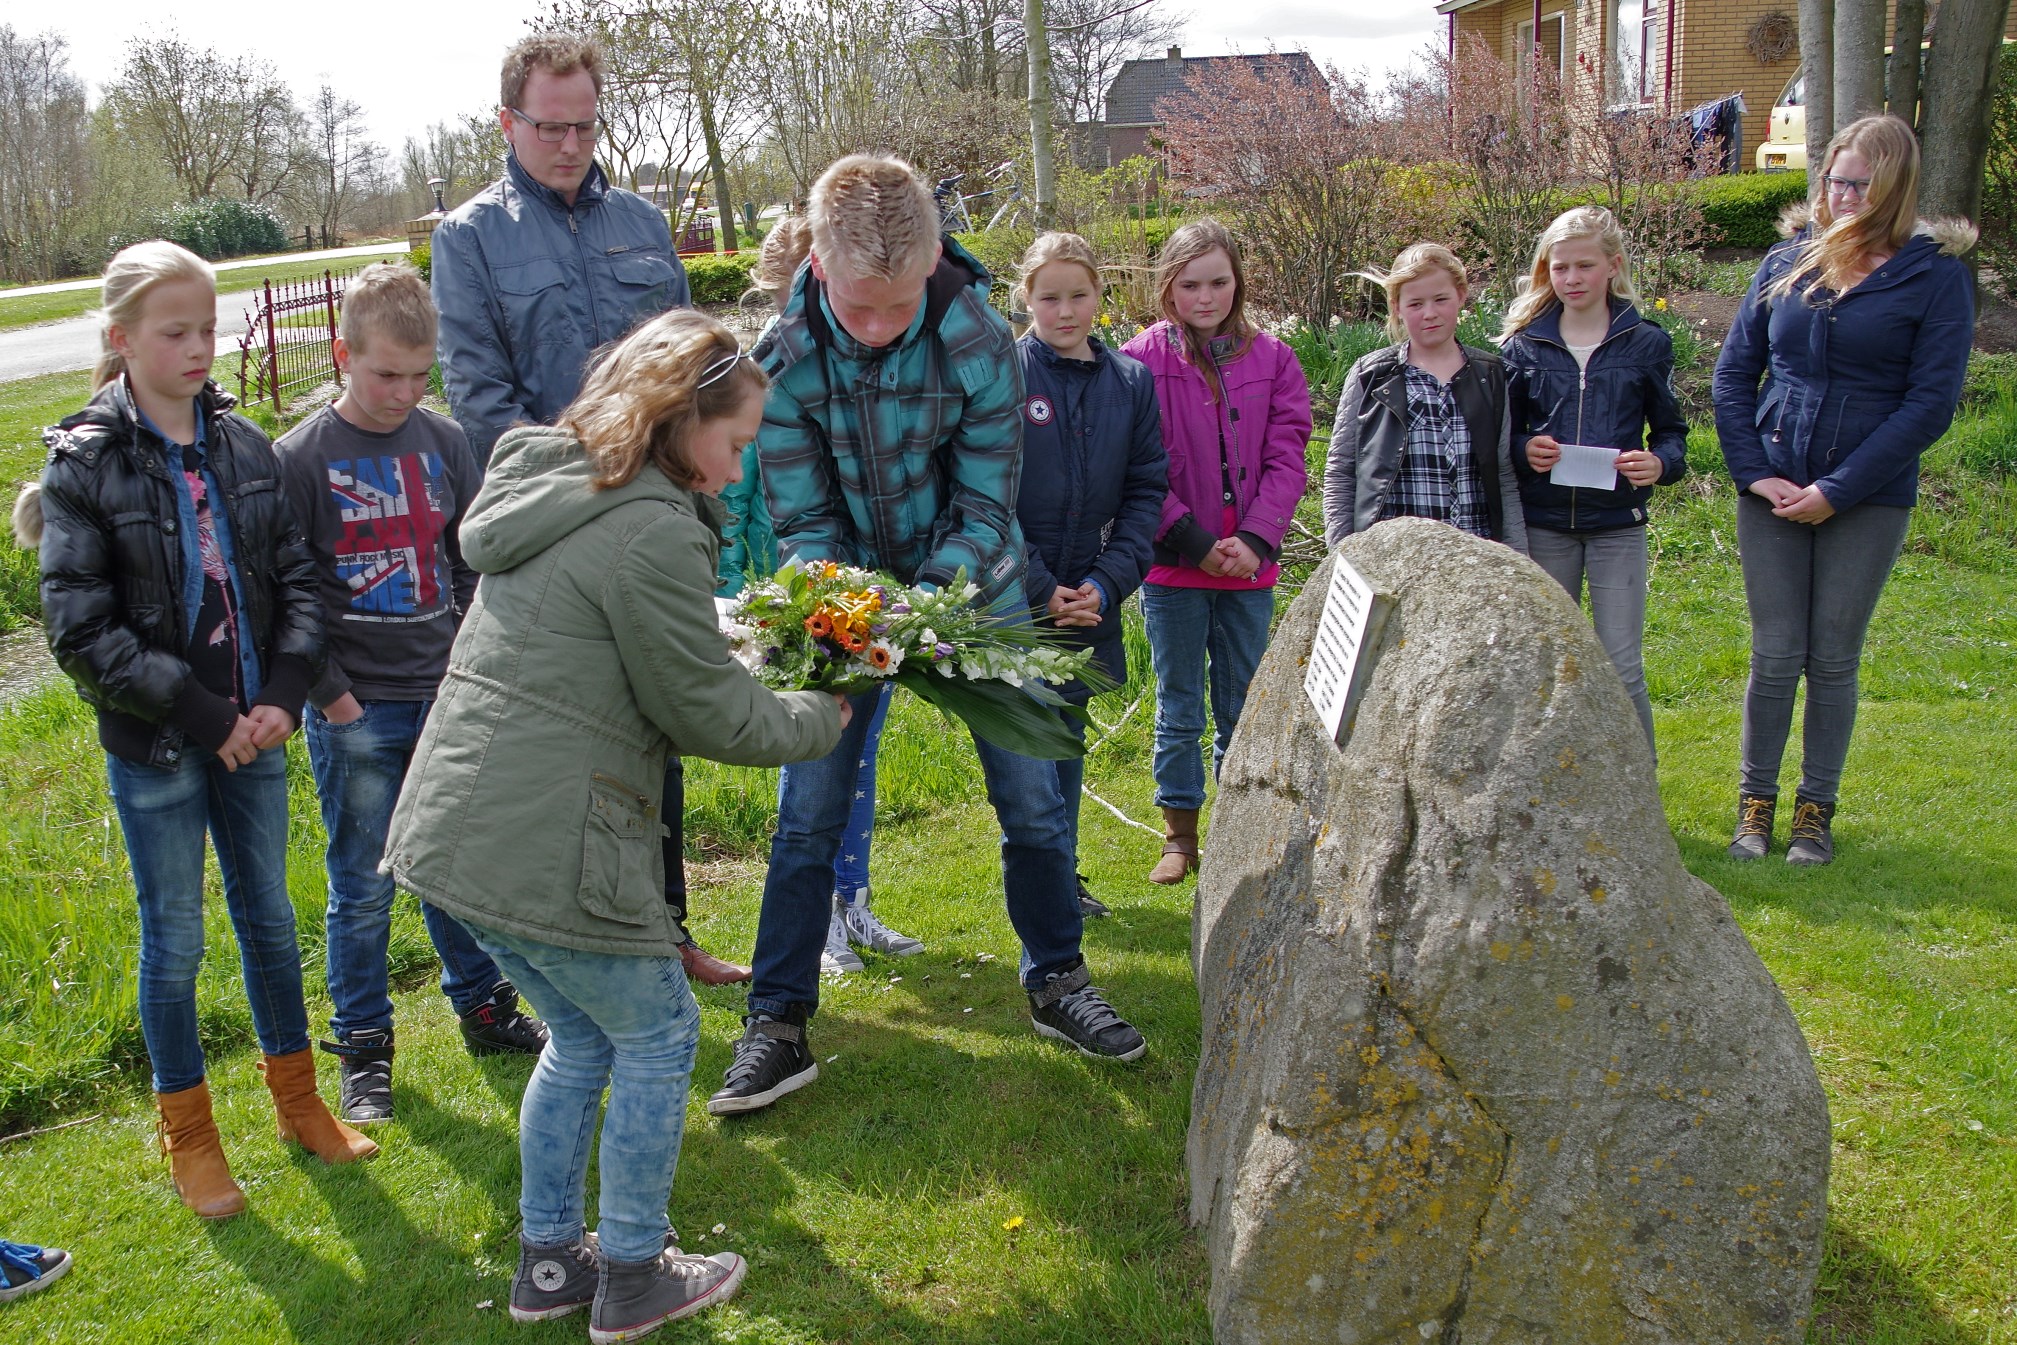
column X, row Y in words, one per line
column 128, row 277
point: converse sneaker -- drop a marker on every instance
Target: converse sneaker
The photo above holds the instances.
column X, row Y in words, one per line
column 1813, row 836
column 1754, row 826
column 553, row 1281
column 865, row 929
column 635, row 1298
column 1070, row 1009
column 837, row 959
column 366, row 1075
column 771, row 1060
column 499, row 1025
column 25, row 1269
column 1090, row 906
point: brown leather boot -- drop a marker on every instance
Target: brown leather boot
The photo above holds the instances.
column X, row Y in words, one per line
column 303, row 1118
column 708, row 969
column 1180, row 846
column 195, row 1156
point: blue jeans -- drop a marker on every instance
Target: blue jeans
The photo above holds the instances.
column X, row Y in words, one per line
column 625, row 1024
column 850, row 870
column 814, row 798
column 359, row 767
column 163, row 815
column 1184, row 626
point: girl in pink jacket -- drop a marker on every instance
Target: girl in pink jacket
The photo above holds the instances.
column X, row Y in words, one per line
column 1236, row 422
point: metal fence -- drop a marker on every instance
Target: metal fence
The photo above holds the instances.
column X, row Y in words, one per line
column 290, row 338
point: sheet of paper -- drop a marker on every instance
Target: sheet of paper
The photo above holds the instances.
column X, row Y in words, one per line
column 1586, row 465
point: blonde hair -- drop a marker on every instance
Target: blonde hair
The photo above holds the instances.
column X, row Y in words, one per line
column 1537, row 291
column 556, row 54
column 1201, row 238
column 872, row 218
column 129, row 277
column 1054, row 247
column 778, row 260
column 388, row 301
column 1414, row 262
column 643, row 399
column 1837, row 251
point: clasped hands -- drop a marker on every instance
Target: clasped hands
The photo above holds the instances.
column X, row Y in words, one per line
column 267, row 726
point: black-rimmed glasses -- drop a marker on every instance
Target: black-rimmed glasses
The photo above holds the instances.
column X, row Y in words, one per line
column 554, row 132
column 1858, row 187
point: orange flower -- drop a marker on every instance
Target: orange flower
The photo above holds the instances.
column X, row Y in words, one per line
column 878, row 658
column 819, row 625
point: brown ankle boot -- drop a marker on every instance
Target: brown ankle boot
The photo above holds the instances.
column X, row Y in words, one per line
column 1180, row 846
column 303, row 1118
column 708, row 969
column 195, row 1157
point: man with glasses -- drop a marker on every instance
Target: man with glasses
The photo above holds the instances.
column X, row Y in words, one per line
column 532, row 275
column 549, row 262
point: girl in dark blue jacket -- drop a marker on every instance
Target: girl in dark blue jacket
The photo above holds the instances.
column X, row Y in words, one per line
column 1582, row 367
column 1859, row 327
column 1094, row 474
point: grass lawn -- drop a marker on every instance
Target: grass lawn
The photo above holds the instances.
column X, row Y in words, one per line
column 952, row 1178
column 26, row 310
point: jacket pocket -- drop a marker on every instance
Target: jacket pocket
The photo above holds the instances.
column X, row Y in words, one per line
column 619, row 841
column 534, row 303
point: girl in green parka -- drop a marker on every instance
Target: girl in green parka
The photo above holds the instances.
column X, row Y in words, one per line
column 532, row 810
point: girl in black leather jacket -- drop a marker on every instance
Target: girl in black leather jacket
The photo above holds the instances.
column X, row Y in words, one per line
column 178, row 595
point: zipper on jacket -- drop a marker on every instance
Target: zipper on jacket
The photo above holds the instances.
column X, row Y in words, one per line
column 642, row 802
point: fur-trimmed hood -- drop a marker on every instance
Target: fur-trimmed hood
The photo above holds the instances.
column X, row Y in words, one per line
column 28, row 517
column 1955, row 236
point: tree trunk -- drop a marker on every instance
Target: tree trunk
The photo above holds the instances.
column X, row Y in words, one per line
column 1859, row 59
column 1817, row 57
column 1959, row 97
column 1901, row 79
column 1039, row 48
column 717, row 168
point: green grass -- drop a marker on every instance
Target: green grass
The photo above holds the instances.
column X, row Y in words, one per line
column 874, row 1205
column 26, row 310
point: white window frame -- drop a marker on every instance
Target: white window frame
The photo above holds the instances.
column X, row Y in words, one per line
column 1524, row 37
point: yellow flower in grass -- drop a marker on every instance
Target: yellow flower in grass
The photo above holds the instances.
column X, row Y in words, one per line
column 1013, row 1224
column 1660, row 304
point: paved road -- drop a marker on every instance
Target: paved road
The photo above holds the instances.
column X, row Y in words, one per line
column 56, row 347
column 328, row 254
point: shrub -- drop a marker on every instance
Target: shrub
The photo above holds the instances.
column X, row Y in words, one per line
column 422, row 257
column 719, row 277
column 1999, row 185
column 1742, row 210
column 217, row 228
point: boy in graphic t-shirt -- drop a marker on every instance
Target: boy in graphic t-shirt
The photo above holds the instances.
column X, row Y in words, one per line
column 380, row 485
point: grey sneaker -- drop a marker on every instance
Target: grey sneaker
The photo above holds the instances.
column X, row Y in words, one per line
column 837, row 959
column 26, row 1269
column 1813, row 839
column 1754, row 826
column 1070, row 1009
column 865, row 929
column 635, row 1298
column 553, row 1281
column 366, row 1084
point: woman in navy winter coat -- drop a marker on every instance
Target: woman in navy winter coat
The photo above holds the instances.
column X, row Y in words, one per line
column 1859, row 326
column 1094, row 473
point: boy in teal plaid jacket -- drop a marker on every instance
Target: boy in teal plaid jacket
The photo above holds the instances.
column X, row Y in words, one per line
column 892, row 439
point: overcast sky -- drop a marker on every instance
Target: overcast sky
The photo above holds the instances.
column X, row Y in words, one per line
column 414, row 65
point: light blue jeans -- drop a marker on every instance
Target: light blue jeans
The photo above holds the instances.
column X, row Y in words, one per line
column 625, row 1024
column 1185, row 625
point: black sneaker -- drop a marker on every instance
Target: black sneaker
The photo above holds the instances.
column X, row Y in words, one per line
column 635, row 1298
column 1070, row 1009
column 1813, row 839
column 771, row 1060
column 26, row 1270
column 500, row 1025
column 554, row 1281
column 1090, row 906
column 366, row 1075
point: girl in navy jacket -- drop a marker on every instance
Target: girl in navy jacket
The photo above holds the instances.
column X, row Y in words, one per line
column 1582, row 367
column 1859, row 327
column 1094, row 473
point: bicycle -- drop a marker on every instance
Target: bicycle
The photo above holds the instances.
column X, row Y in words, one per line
column 956, row 216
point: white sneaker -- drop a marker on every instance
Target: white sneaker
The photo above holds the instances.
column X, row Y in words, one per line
column 837, row 959
column 865, row 929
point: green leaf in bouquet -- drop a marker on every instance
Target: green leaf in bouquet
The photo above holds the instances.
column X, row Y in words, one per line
column 1009, row 718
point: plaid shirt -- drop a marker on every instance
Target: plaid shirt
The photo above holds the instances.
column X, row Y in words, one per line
column 1437, row 478
column 907, row 458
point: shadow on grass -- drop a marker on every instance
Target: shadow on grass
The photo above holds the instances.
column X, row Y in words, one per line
column 1864, row 1298
column 1868, row 885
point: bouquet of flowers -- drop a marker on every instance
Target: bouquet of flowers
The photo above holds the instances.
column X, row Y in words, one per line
column 828, row 627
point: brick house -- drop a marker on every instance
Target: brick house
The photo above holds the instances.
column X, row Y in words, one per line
column 1141, row 87
column 1667, row 55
